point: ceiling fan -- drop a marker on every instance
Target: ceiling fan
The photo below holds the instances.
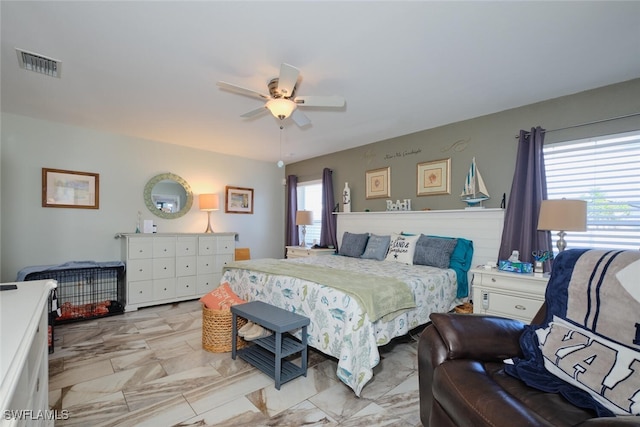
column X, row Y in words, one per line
column 282, row 101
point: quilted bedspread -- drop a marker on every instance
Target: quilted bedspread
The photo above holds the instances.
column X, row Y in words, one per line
column 339, row 325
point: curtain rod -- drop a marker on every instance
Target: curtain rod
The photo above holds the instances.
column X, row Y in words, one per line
column 587, row 123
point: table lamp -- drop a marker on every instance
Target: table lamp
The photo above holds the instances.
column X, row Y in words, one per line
column 208, row 203
column 563, row 215
column 304, row 218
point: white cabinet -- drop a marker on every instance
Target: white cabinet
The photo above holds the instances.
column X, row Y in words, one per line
column 163, row 268
column 513, row 295
column 24, row 363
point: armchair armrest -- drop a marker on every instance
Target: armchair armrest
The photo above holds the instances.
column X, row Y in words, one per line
column 479, row 337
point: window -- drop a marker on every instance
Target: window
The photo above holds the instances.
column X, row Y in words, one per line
column 310, row 199
column 605, row 172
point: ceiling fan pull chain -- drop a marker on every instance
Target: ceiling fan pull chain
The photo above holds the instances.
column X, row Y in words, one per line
column 280, row 162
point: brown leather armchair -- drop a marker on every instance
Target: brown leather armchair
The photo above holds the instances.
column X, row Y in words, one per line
column 463, row 383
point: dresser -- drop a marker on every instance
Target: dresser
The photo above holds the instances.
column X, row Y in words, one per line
column 301, row 251
column 24, row 362
column 513, row 295
column 164, row 268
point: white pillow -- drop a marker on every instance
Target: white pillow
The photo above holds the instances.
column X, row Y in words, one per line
column 601, row 367
column 402, row 248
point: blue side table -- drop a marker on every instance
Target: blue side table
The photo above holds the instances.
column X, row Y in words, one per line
column 268, row 353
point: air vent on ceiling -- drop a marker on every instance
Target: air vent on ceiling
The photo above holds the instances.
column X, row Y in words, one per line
column 39, row 63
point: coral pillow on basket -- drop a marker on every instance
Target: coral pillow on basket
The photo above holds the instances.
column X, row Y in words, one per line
column 221, row 298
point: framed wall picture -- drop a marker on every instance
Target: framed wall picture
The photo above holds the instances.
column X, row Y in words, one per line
column 378, row 183
column 70, row 189
column 434, row 177
column 238, row 200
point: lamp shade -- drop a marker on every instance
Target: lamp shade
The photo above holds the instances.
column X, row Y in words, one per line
column 281, row 108
column 209, row 202
column 563, row 215
column 304, row 218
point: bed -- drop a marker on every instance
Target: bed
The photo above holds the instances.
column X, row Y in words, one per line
column 346, row 325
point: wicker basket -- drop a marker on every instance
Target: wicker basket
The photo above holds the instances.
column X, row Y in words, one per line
column 216, row 330
column 465, row 308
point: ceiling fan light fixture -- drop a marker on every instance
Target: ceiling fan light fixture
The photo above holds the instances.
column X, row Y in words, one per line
column 281, row 108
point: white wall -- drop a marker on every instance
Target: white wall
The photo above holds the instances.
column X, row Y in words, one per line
column 33, row 235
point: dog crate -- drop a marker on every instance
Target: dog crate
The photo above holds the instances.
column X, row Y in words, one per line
column 86, row 290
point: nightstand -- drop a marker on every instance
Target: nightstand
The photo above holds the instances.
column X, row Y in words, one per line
column 301, row 251
column 514, row 295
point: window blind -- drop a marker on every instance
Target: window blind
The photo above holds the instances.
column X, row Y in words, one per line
column 605, row 172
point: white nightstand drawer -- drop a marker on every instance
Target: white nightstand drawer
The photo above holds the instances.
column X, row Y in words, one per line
column 513, row 306
column 512, row 279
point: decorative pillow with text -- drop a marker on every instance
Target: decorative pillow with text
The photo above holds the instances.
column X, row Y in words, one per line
column 402, row 248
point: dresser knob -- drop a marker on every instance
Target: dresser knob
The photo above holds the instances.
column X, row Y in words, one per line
column 493, row 279
column 521, row 307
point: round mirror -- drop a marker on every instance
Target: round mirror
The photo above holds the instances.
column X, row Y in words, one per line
column 168, row 196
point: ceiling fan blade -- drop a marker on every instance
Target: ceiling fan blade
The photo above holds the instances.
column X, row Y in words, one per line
column 300, row 118
column 256, row 112
column 242, row 91
column 287, row 79
column 320, row 101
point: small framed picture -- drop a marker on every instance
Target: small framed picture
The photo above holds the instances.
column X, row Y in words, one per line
column 434, row 177
column 70, row 189
column 378, row 183
column 238, row 200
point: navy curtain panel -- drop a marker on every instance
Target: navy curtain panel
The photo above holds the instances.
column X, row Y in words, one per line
column 528, row 189
column 291, row 237
column 329, row 220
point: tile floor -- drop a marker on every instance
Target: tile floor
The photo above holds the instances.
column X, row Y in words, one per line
column 148, row 368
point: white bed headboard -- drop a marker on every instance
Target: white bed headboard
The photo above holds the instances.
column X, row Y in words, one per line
column 482, row 226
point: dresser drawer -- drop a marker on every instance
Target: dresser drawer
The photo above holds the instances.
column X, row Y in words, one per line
column 222, row 260
column 186, row 246
column 226, row 245
column 164, row 267
column 207, row 282
column 164, row 289
column 140, row 248
column 141, row 291
column 206, row 265
column 512, row 306
column 186, row 286
column 139, row 269
column 186, row 266
column 164, row 247
column 206, row 245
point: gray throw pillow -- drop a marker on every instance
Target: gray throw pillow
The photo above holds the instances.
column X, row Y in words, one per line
column 434, row 251
column 353, row 244
column 377, row 247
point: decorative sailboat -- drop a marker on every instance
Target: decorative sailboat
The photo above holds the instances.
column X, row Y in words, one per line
column 475, row 192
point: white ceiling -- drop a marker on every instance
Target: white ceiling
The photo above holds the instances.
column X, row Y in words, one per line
column 149, row 69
